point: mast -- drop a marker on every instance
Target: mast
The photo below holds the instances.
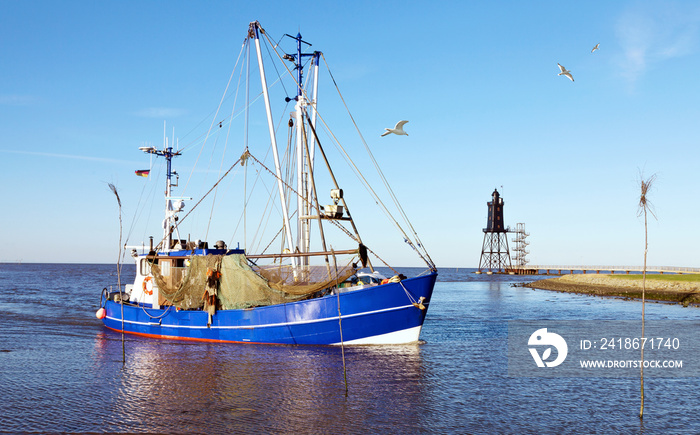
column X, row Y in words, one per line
column 253, row 33
column 170, row 211
column 307, row 194
column 304, row 166
column 168, row 235
column 314, row 104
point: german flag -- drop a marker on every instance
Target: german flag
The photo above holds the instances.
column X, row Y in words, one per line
column 143, row 172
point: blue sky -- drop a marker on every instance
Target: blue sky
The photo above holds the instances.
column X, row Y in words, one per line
column 84, row 84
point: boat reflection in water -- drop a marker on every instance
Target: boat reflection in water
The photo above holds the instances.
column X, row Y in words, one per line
column 174, row 386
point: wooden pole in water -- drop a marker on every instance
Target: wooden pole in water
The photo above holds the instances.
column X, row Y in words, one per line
column 644, row 206
column 342, row 347
column 340, row 327
column 119, row 280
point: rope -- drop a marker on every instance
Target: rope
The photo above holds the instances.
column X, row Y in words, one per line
column 342, row 228
column 407, row 239
column 419, row 303
column 429, row 261
column 349, row 160
column 342, row 344
column 211, row 126
column 156, row 317
column 177, row 225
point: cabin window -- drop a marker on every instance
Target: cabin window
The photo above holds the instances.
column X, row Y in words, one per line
column 165, row 268
column 368, row 280
column 145, row 267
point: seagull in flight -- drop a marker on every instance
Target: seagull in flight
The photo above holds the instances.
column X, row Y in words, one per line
column 597, row 47
column 565, row 72
column 398, row 129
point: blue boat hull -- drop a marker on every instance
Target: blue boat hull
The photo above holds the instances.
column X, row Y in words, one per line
column 375, row 315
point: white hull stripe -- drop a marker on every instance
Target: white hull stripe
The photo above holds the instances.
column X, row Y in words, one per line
column 271, row 325
column 405, row 336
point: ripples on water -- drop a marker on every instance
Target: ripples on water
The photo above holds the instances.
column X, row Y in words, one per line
column 61, row 371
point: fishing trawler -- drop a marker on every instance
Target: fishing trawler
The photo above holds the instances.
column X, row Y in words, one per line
column 304, row 291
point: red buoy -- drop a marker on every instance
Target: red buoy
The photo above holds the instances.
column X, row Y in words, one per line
column 101, row 313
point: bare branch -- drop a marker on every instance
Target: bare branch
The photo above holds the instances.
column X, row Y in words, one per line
column 645, row 186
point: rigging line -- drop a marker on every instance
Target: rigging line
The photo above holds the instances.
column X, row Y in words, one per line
column 209, row 131
column 248, row 196
column 364, row 182
column 255, row 243
column 317, row 142
column 229, row 123
column 376, row 165
column 357, row 238
column 303, row 91
column 273, row 240
column 228, row 133
column 212, row 112
column 221, row 165
column 136, row 210
column 287, row 185
column 281, row 120
column 410, row 296
column 270, row 197
column 298, row 85
column 342, row 228
column 270, row 205
column 291, row 189
column 274, row 65
column 381, row 174
column 213, row 203
column 133, row 219
column 257, row 178
column 347, row 157
column 228, row 119
column 151, row 195
column 178, row 223
column 367, row 186
column 274, row 48
column 246, row 130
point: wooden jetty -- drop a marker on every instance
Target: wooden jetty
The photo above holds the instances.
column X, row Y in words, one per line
column 561, row 270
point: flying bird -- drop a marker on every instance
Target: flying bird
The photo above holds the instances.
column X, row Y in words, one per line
column 597, row 47
column 565, row 72
column 398, row 129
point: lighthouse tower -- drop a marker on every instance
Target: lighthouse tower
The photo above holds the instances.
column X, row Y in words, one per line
column 494, row 251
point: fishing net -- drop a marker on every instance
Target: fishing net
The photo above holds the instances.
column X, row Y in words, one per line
column 186, row 293
column 228, row 282
column 304, row 280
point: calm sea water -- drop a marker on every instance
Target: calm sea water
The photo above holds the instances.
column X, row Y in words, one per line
column 61, row 371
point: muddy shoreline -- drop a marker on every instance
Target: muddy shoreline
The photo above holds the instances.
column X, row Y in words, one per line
column 685, row 293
